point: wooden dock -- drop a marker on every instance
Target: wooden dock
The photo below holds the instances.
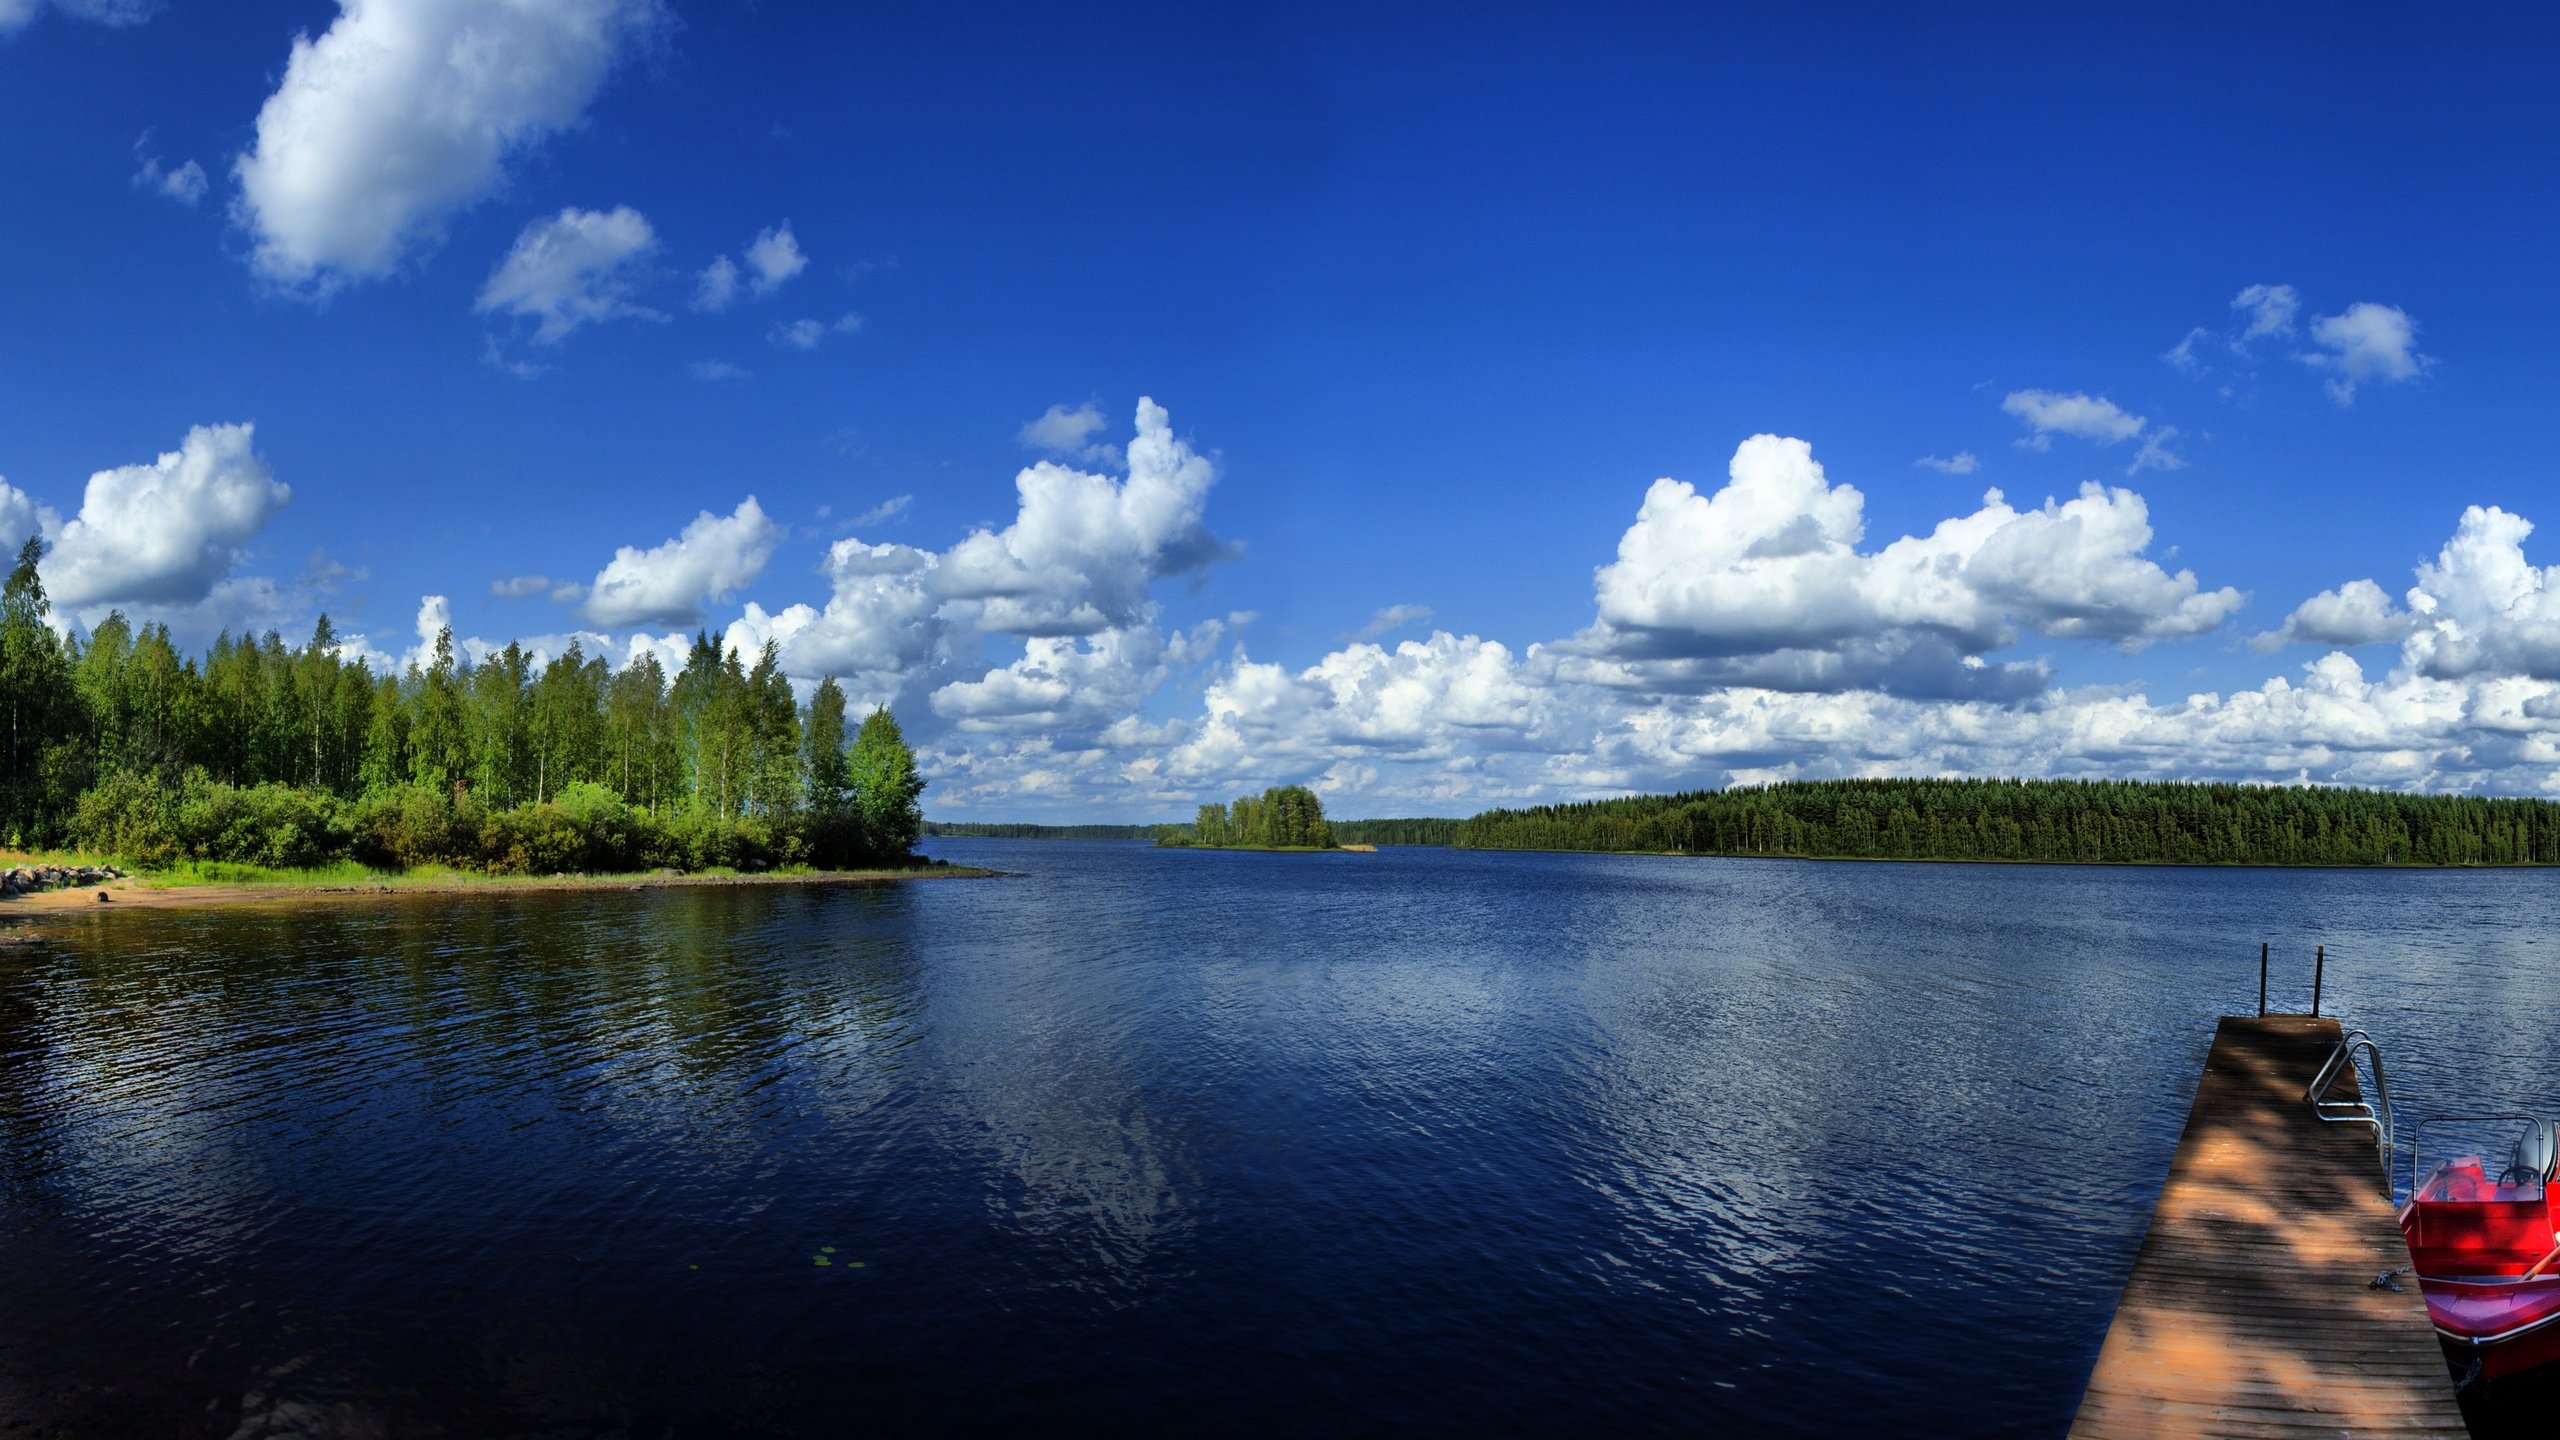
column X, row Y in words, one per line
column 2251, row 1309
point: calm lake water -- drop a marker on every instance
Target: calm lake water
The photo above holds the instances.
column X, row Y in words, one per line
column 1165, row 1140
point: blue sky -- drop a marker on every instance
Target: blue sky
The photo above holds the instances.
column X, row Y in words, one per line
column 1428, row 303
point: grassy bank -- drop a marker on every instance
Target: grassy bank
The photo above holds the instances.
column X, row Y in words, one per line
column 222, row 882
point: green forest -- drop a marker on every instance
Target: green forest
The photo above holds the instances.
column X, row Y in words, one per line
column 1416, row 831
column 263, row 755
column 2089, row 821
column 1284, row 817
column 1345, row 832
column 1012, row 830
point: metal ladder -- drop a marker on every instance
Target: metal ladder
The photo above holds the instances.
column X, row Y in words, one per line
column 2373, row 1110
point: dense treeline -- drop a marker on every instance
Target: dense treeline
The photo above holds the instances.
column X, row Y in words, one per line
column 1413, row 831
column 1284, row 817
column 2096, row 821
column 266, row 755
column 1345, row 832
column 1005, row 830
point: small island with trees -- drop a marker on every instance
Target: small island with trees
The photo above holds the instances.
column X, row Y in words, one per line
column 1284, row 817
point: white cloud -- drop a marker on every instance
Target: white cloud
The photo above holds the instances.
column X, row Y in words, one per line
column 2266, row 310
column 2481, row 608
column 774, row 255
column 805, row 334
column 21, row 518
column 516, row 587
column 17, row 14
column 186, row 184
column 670, row 584
column 716, row 370
column 2048, row 413
column 1762, row 583
column 2356, row 613
column 167, row 533
column 1392, row 619
column 574, row 269
column 1065, row 587
column 405, row 112
column 2155, row 453
column 884, row 512
column 2183, row 357
column 2365, row 342
column 1062, row 431
column 1963, row 462
column 717, row 287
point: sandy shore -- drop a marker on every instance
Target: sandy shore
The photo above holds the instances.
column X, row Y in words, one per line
column 141, row 894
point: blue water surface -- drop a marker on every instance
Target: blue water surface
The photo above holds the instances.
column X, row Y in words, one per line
column 1165, row 1140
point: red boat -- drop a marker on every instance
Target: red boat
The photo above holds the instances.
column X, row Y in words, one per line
column 2486, row 1248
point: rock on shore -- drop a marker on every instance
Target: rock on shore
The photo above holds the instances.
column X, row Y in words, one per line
column 28, row 879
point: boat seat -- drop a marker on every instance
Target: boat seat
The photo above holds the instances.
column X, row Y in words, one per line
column 2534, row 1153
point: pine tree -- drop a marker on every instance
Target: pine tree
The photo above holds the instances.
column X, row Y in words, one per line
column 823, row 769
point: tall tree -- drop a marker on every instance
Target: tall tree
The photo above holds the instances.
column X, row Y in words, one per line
column 37, row 693
column 828, row 777
column 885, row 785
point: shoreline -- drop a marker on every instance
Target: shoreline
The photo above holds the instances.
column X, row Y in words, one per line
column 141, row 893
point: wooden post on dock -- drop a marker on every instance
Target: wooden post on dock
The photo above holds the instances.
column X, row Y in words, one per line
column 2251, row 1310
column 2262, row 977
column 2319, row 968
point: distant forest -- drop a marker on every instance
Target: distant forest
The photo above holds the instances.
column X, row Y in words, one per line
column 997, row 830
column 266, row 755
column 2093, row 821
column 1345, row 832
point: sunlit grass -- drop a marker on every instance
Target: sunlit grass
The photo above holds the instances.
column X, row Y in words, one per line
column 202, row 874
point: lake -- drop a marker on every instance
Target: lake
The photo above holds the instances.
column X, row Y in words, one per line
column 1166, row 1140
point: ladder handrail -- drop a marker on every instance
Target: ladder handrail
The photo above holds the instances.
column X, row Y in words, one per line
column 2375, row 1111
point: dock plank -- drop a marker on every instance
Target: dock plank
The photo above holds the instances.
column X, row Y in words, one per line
column 2250, row 1310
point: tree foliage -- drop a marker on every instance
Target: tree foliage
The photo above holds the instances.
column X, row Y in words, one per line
column 260, row 753
column 2093, row 821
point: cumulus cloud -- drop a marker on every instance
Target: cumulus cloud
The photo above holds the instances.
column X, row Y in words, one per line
column 167, row 533
column 2365, row 342
column 516, row 587
column 2048, row 413
column 406, row 111
column 1962, row 462
column 670, row 583
column 1763, row 583
column 575, row 268
column 774, row 255
column 1062, row 431
column 1061, row 596
column 2481, row 608
column 2356, row 613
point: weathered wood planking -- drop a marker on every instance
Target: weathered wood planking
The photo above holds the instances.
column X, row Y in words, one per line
column 2250, row 1311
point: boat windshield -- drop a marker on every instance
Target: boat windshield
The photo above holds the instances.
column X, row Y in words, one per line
column 2471, row 1181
